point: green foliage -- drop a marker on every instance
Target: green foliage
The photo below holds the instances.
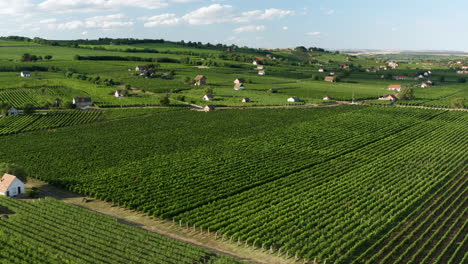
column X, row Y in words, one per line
column 458, row 102
column 406, row 93
column 13, row 169
column 29, row 109
column 55, row 232
column 165, row 101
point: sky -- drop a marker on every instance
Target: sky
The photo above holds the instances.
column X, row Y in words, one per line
column 331, row 24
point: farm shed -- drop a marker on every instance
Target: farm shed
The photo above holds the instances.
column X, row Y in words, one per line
column 25, row 74
column 10, row 185
column 239, row 86
column 330, row 79
column 12, row 111
column 394, row 87
column 246, row 100
column 200, row 80
column 208, row 97
column 209, row 108
column 293, row 99
column 119, row 93
column 260, row 67
column 261, row 72
column 82, row 101
column 389, row 98
column 326, row 98
column 141, row 68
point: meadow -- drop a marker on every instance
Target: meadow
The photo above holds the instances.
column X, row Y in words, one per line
column 288, row 74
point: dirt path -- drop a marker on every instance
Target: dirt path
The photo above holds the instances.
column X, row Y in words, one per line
column 162, row 227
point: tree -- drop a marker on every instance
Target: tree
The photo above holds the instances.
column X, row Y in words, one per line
column 188, row 80
column 13, row 169
column 301, row 49
column 209, row 91
column 68, row 105
column 165, row 101
column 4, row 107
column 461, row 80
column 29, row 109
column 458, row 102
column 406, row 94
column 442, row 78
column 128, row 86
column 48, row 57
column 315, row 77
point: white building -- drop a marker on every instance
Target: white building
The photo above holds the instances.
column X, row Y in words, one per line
column 326, row 98
column 82, row 101
column 118, row 94
column 293, row 99
column 11, row 186
column 25, row 74
column 208, row 97
column 12, row 112
column 262, row 73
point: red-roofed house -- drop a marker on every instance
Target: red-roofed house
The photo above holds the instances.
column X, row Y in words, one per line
column 10, row 185
column 394, row 87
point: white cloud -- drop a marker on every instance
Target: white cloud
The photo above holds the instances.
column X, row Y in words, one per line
column 212, row 14
column 18, row 7
column 267, row 14
column 161, row 20
column 328, row 11
column 48, row 21
column 285, row 28
column 218, row 13
column 66, row 6
column 251, row 28
column 100, row 22
column 314, row 34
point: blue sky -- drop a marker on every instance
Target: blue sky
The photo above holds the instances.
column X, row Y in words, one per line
column 334, row 24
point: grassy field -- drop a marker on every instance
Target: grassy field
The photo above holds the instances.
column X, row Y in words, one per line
column 289, row 74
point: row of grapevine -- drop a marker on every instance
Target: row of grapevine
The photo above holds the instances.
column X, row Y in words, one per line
column 50, row 231
column 26, row 123
column 328, row 211
column 323, row 184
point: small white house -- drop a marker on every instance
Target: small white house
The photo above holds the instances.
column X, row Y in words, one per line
column 82, row 101
column 326, row 98
column 321, row 70
column 209, row 108
column 11, row 186
column 208, row 97
column 12, row 112
column 260, row 67
column 293, row 99
column 261, row 72
column 255, row 62
column 25, row 74
column 118, row 94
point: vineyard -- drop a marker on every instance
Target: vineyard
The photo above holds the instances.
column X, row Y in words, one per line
column 330, row 184
column 50, row 231
column 26, row 123
column 38, row 96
